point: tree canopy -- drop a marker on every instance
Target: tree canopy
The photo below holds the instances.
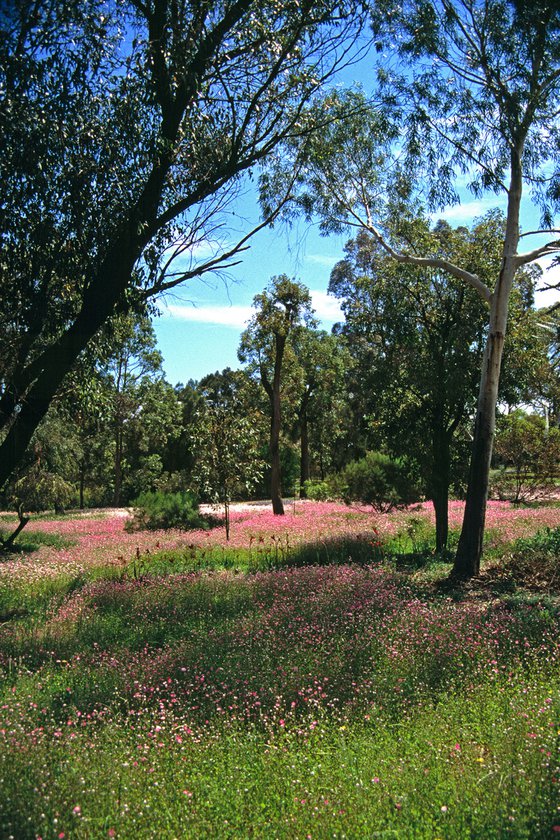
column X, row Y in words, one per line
column 281, row 310
column 126, row 130
column 470, row 92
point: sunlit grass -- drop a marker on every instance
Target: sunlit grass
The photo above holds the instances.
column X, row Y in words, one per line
column 277, row 688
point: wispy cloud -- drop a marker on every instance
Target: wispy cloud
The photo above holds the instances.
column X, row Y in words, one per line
column 468, row 211
column 226, row 316
column 326, row 308
column 322, row 259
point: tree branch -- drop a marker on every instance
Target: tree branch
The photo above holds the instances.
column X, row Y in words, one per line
column 543, row 251
column 472, row 280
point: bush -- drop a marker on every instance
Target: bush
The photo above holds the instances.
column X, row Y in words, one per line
column 533, row 561
column 377, row 480
column 318, row 491
column 528, row 454
column 38, row 491
column 155, row 510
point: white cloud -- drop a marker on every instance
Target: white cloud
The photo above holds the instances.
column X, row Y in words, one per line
column 225, row 316
column 326, row 307
column 550, row 277
column 467, row 212
column 322, row 259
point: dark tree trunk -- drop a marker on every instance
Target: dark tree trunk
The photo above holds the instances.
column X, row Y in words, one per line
column 469, row 550
column 275, row 478
column 305, row 461
column 275, row 426
column 82, row 485
column 40, row 381
column 117, row 491
column 440, row 487
column 8, row 544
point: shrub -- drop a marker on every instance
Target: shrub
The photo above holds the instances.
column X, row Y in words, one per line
column 533, row 561
column 528, row 454
column 38, row 491
column 377, row 480
column 155, row 510
column 318, row 491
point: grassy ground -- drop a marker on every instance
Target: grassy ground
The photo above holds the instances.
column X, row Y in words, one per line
column 314, row 678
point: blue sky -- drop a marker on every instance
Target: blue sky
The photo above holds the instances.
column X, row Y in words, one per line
column 200, row 324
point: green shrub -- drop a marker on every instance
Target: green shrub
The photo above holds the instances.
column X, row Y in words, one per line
column 318, row 491
column 38, row 491
column 376, row 480
column 155, row 510
column 546, row 541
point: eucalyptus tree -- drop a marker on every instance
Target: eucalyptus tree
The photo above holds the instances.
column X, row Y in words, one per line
column 472, row 89
column 322, row 360
column 226, row 440
column 416, row 336
column 281, row 310
column 127, row 128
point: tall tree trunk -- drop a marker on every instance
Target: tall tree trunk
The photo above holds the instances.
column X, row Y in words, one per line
column 273, row 391
column 82, row 484
column 275, row 481
column 305, row 461
column 469, row 550
column 36, row 383
column 117, row 491
column 43, row 376
column 440, row 486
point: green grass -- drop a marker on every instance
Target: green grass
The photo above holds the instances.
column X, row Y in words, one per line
column 29, row 541
column 462, row 768
column 280, row 692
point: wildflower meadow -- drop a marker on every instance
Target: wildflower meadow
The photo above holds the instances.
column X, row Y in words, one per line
column 315, row 676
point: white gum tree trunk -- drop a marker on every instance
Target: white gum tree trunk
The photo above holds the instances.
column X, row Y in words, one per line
column 469, row 551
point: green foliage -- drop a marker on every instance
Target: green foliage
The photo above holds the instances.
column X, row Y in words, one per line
column 318, row 491
column 529, row 457
column 119, row 158
column 38, row 491
column 377, row 480
column 546, row 541
column 226, row 442
column 282, row 311
column 154, row 510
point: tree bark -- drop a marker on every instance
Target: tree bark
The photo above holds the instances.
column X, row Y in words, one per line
column 8, row 544
column 117, row 491
column 82, row 484
column 305, row 461
column 46, row 373
column 469, row 550
column 275, row 426
column 440, row 487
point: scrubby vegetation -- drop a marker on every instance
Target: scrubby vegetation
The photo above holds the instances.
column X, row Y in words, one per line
column 156, row 510
column 315, row 676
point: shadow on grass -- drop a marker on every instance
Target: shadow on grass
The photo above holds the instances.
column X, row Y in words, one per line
column 277, row 553
column 30, row 541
